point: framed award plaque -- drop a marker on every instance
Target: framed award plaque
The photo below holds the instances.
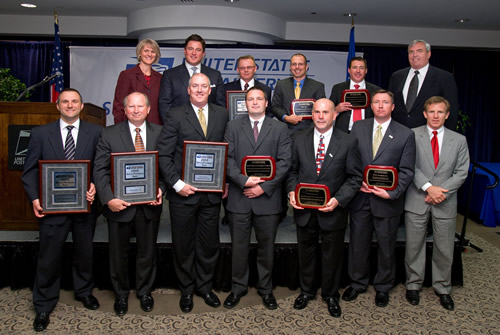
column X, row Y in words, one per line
column 302, row 107
column 385, row 177
column 359, row 99
column 236, row 104
column 312, row 195
column 263, row 167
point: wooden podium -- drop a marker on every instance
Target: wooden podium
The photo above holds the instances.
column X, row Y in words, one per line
column 16, row 211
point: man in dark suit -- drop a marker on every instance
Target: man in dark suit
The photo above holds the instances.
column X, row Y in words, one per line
column 382, row 141
column 442, row 165
column 136, row 134
column 358, row 68
column 296, row 87
column 194, row 215
column 419, row 82
column 246, row 69
column 174, row 83
column 252, row 201
column 338, row 167
column 68, row 138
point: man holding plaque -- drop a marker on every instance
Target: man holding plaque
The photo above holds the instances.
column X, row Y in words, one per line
column 344, row 91
column 296, row 87
column 246, row 68
column 389, row 148
column 442, row 165
column 134, row 135
column 194, row 215
column 413, row 85
column 254, row 196
column 175, row 81
column 337, row 171
column 69, row 138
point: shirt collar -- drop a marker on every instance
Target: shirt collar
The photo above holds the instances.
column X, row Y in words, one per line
column 63, row 124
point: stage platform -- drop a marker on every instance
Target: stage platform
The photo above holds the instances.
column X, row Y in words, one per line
column 18, row 250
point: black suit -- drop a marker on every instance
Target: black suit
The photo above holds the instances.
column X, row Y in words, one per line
column 262, row 212
column 174, row 84
column 341, row 173
column 143, row 218
column 369, row 212
column 343, row 118
column 437, row 83
column 195, row 219
column 236, row 86
column 46, row 144
column 284, row 94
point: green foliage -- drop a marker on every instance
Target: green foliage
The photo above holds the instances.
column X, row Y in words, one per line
column 463, row 122
column 10, row 86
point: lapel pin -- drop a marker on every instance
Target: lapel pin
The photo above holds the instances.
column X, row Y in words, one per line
column 330, row 154
column 390, row 136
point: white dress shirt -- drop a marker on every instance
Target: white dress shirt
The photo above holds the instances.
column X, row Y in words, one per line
column 64, row 130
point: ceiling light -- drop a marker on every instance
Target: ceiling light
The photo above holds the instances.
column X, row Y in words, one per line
column 350, row 14
column 231, row 1
column 462, row 20
column 28, row 5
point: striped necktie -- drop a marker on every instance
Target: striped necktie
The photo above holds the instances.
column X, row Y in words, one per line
column 69, row 145
column 377, row 139
column 320, row 154
column 139, row 144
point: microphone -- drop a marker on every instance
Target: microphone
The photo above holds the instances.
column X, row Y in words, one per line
column 46, row 79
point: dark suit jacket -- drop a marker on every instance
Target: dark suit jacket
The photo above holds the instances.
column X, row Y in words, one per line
column 284, row 93
column 174, row 84
column 273, row 141
column 236, row 86
column 46, row 144
column 341, row 172
column 132, row 80
column 183, row 124
column 437, row 83
column 397, row 149
column 114, row 139
column 342, row 120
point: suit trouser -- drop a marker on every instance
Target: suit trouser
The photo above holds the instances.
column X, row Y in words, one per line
column 146, row 232
column 195, row 237
column 332, row 250
column 442, row 251
column 48, row 267
column 362, row 225
column 265, row 227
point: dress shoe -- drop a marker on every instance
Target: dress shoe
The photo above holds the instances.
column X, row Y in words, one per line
column 446, row 301
column 233, row 299
column 301, row 301
column 147, row 302
column 269, row 301
column 121, row 306
column 186, row 303
column 351, row 294
column 382, row 299
column 89, row 302
column 41, row 321
column 333, row 307
column 211, row 299
column 413, row 297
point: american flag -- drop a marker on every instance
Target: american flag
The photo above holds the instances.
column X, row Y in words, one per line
column 352, row 50
column 56, row 84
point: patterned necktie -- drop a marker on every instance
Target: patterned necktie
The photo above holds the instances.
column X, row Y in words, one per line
column 69, row 145
column 139, row 144
column 203, row 122
column 377, row 139
column 435, row 148
column 297, row 91
column 320, row 154
column 255, row 130
column 245, row 87
column 356, row 113
column 194, row 68
column 412, row 92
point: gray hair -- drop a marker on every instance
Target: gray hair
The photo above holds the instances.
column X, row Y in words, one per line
column 427, row 45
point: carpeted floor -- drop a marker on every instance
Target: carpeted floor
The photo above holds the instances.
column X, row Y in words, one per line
column 477, row 311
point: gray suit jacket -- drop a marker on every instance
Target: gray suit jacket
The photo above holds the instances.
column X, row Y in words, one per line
column 450, row 174
column 273, row 141
column 342, row 120
column 115, row 139
column 397, row 149
column 284, row 93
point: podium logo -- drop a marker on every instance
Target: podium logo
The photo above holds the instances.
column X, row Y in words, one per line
column 18, row 141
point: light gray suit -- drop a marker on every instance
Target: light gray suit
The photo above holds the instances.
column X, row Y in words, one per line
column 450, row 174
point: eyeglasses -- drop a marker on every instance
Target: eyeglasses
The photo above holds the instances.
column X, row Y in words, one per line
column 247, row 68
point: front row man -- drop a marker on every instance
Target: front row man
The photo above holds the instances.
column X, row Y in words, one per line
column 382, row 141
column 68, row 138
column 136, row 134
column 337, row 166
column 253, row 201
column 442, row 164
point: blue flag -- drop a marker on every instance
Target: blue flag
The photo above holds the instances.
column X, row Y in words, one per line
column 352, row 51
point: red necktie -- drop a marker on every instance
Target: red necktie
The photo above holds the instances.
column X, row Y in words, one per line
column 320, row 154
column 435, row 149
column 356, row 113
column 256, row 130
